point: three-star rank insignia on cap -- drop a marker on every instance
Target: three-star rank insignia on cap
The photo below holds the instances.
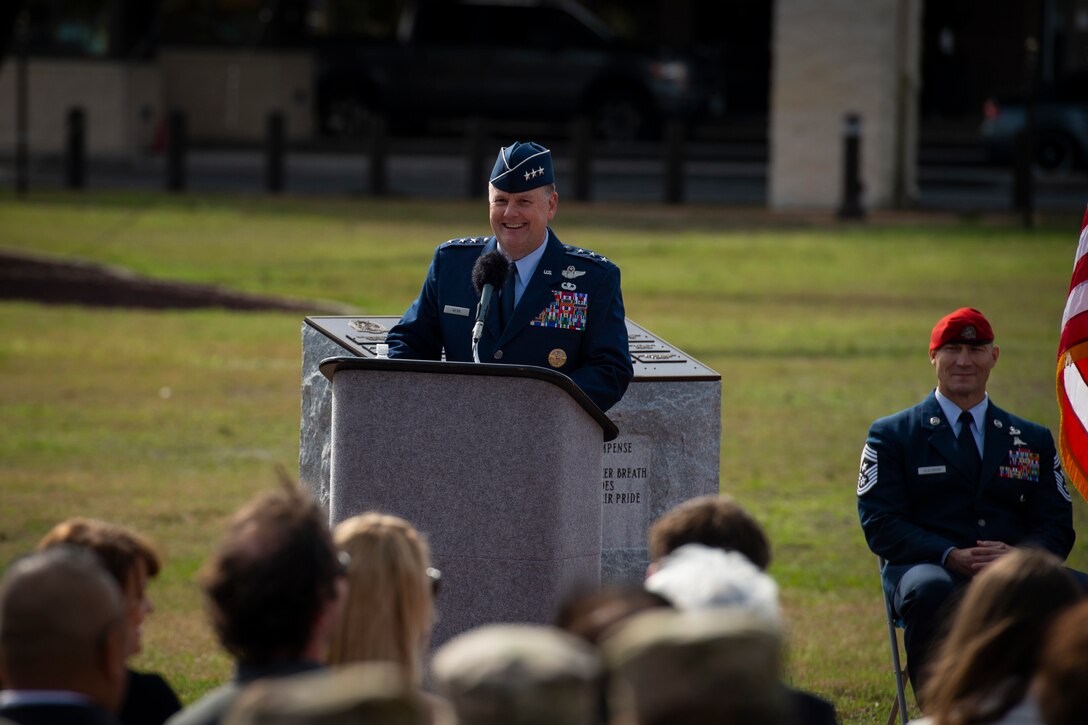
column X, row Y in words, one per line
column 572, row 273
column 557, row 358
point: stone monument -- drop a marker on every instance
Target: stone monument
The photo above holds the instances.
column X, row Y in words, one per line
column 667, row 451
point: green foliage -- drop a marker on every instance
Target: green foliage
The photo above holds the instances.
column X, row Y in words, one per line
column 167, row 421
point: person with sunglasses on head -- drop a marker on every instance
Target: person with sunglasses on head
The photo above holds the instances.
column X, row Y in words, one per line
column 390, row 607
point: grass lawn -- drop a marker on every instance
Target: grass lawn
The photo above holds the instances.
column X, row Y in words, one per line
column 167, row 421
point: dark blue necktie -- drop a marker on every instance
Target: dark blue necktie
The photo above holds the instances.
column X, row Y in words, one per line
column 507, row 294
column 967, row 446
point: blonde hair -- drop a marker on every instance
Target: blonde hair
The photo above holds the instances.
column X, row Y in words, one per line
column 389, row 609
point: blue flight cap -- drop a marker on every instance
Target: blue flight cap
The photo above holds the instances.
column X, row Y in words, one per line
column 521, row 167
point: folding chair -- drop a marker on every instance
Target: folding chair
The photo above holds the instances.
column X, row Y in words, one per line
column 899, row 704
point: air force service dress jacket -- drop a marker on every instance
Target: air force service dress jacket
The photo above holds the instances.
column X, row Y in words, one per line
column 570, row 317
column 915, row 501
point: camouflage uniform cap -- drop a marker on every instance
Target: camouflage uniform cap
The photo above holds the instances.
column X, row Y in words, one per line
column 519, row 674
column 362, row 692
column 679, row 667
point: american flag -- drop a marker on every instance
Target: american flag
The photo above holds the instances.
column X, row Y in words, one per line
column 1072, row 375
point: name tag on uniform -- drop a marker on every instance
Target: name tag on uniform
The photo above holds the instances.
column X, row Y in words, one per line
column 451, row 310
column 930, row 470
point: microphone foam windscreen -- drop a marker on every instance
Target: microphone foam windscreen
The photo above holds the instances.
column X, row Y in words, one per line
column 490, row 268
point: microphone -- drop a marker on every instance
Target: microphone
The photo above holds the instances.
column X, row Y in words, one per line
column 489, row 272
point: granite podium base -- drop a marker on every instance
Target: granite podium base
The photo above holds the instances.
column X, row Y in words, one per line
column 500, row 473
column 667, row 451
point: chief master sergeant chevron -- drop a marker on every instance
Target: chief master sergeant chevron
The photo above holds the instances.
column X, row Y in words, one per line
column 939, row 512
column 562, row 309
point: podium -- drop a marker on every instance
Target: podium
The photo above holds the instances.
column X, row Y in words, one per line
column 499, row 465
column 668, row 449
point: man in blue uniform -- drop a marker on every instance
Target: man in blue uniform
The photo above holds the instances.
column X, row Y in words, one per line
column 951, row 485
column 560, row 308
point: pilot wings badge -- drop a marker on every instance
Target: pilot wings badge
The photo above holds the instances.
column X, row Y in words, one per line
column 571, row 273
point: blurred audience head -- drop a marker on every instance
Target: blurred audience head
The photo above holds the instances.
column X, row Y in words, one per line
column 520, row 674
column 690, row 668
column 992, row 648
column 62, row 626
column 1059, row 685
column 715, row 521
column 390, row 604
column 594, row 616
column 375, row 693
column 597, row 615
column 129, row 558
column 274, row 586
column 696, row 577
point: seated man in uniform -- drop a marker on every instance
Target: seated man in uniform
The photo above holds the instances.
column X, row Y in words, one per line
column 559, row 308
column 952, row 484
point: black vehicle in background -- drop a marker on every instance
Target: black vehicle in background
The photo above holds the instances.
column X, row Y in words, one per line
column 547, row 60
column 1061, row 126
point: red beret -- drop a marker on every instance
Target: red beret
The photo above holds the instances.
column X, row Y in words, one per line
column 964, row 325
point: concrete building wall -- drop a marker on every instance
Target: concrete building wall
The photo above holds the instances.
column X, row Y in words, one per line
column 229, row 94
column 226, row 96
column 121, row 102
column 831, row 58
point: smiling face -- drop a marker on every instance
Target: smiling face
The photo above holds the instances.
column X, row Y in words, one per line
column 520, row 220
column 962, row 371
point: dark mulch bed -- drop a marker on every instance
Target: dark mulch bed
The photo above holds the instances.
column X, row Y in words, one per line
column 62, row 282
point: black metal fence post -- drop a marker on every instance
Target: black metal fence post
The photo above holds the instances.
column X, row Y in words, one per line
column 675, row 130
column 475, row 138
column 379, row 155
column 275, row 133
column 176, row 150
column 22, row 103
column 1022, row 177
column 582, row 131
column 851, row 207
column 1025, row 149
column 75, row 148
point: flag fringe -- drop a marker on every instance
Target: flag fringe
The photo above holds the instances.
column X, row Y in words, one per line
column 1074, row 472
